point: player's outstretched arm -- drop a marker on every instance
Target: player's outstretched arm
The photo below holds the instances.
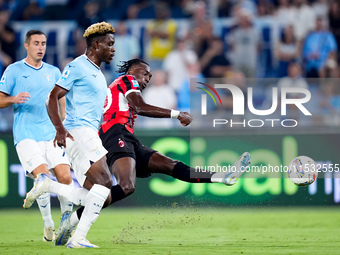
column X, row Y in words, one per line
column 53, row 111
column 137, row 102
column 21, row 98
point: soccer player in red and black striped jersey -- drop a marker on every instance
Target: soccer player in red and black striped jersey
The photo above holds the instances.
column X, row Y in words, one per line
column 127, row 157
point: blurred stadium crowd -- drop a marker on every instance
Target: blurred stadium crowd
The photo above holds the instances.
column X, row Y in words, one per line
column 280, row 42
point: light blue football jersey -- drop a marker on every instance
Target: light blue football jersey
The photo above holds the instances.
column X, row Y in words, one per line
column 31, row 120
column 87, row 89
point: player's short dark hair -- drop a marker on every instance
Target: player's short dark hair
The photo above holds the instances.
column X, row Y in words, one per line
column 33, row 32
column 97, row 30
column 124, row 68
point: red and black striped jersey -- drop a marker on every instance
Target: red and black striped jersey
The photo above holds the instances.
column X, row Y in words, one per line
column 116, row 108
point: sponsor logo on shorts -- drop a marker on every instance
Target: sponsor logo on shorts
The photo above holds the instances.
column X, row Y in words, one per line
column 121, row 143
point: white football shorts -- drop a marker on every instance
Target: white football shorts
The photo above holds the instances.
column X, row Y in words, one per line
column 33, row 154
column 86, row 149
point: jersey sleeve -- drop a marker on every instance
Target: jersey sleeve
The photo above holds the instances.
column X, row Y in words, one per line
column 57, row 75
column 7, row 81
column 69, row 75
column 129, row 84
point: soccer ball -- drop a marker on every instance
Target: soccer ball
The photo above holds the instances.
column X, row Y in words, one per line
column 302, row 171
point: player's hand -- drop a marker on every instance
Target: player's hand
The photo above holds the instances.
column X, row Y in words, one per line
column 60, row 137
column 21, row 98
column 185, row 118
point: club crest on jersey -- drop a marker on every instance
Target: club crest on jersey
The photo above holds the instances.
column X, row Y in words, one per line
column 135, row 83
column 47, row 76
column 65, row 74
column 121, row 143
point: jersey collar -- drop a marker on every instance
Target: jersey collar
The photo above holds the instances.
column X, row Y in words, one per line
column 92, row 62
column 36, row 68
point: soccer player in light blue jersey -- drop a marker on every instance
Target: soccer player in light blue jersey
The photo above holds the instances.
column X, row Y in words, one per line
column 25, row 85
column 85, row 88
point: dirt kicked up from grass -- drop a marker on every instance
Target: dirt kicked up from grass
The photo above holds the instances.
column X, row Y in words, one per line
column 178, row 230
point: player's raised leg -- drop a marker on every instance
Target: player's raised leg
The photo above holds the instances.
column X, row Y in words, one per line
column 44, row 184
column 159, row 163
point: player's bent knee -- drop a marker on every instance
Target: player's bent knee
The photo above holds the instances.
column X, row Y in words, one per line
column 65, row 179
column 128, row 188
column 107, row 183
column 103, row 179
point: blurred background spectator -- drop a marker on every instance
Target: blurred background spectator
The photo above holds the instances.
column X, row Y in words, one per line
column 319, row 52
column 244, row 45
column 334, row 22
column 90, row 14
column 304, row 18
column 177, row 63
column 34, row 10
column 188, row 94
column 321, row 9
column 7, row 38
column 294, row 78
column 284, row 14
column 127, row 41
column 162, row 35
column 5, row 60
column 159, row 93
column 287, row 49
column 213, row 62
column 200, row 28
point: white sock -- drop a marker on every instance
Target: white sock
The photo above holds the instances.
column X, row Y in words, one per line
column 75, row 195
column 44, row 203
column 218, row 177
column 74, row 219
column 93, row 204
column 65, row 204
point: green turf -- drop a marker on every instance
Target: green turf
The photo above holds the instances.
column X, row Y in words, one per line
column 186, row 231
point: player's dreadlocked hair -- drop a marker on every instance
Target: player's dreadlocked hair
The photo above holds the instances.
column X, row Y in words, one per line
column 96, row 30
column 124, row 68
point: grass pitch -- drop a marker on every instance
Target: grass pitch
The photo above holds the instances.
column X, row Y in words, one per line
column 185, row 231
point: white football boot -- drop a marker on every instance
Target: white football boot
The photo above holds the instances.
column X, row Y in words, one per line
column 237, row 169
column 231, row 176
column 80, row 242
column 41, row 186
column 49, row 234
